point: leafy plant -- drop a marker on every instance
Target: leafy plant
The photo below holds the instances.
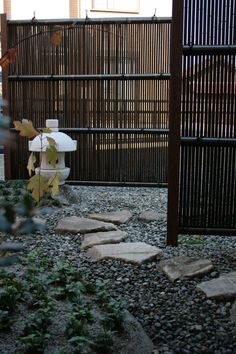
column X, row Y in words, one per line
column 10, row 292
column 62, row 273
column 76, row 325
column 5, row 320
column 103, row 295
column 37, row 184
column 114, row 315
column 37, row 288
column 35, row 334
column 40, row 319
column 80, row 341
column 193, row 240
column 34, row 342
column 104, row 342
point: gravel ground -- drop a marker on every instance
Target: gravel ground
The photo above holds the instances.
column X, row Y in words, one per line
column 176, row 317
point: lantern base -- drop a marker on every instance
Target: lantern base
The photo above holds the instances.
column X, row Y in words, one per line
column 46, row 173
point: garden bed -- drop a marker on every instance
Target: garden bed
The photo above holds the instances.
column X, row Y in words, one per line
column 177, row 318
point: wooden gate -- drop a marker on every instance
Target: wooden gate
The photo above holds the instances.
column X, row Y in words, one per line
column 202, row 145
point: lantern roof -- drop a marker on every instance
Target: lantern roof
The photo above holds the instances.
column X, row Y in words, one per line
column 64, row 143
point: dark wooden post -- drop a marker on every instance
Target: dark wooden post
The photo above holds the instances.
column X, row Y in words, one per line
column 5, row 91
column 174, row 124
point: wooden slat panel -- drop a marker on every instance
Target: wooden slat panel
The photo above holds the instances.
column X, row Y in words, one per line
column 208, row 174
column 96, row 48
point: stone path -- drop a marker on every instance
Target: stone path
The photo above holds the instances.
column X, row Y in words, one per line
column 103, row 240
column 220, row 288
column 149, row 216
column 77, row 225
column 132, row 252
column 185, row 267
column 115, row 217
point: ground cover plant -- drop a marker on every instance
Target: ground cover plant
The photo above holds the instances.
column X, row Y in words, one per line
column 17, row 198
column 33, row 295
column 30, row 299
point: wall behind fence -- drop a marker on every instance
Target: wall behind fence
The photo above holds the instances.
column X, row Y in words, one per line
column 105, row 74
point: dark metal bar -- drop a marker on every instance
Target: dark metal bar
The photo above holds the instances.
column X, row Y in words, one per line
column 209, row 49
column 95, row 21
column 206, row 231
column 174, row 125
column 96, row 77
column 116, row 184
column 202, row 141
column 116, row 131
column 112, row 131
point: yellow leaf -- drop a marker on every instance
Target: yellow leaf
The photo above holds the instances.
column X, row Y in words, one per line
column 53, row 184
column 38, row 185
column 25, row 128
column 8, row 57
column 46, row 130
column 51, row 154
column 56, row 37
column 51, row 141
column 31, row 162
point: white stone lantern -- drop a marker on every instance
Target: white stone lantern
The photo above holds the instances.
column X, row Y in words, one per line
column 63, row 144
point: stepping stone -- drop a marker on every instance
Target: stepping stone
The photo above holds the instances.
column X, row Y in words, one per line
column 75, row 225
column 132, row 252
column 20, row 220
column 151, row 215
column 115, row 217
column 101, row 238
column 223, row 287
column 12, row 247
column 233, row 312
column 185, row 267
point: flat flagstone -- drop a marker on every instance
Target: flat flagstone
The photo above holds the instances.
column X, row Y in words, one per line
column 151, row 215
column 12, row 247
column 101, row 238
column 132, row 252
column 20, row 220
column 223, row 287
column 75, row 224
column 115, row 217
column 185, row 267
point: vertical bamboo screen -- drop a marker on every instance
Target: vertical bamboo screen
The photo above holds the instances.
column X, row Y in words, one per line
column 207, row 197
column 104, row 74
